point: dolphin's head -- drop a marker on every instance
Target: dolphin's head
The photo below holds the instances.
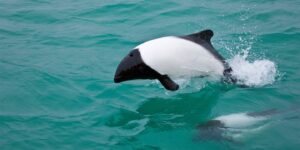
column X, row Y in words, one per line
column 211, row 130
column 211, row 124
column 133, row 67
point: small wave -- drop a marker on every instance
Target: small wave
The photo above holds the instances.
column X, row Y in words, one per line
column 257, row 73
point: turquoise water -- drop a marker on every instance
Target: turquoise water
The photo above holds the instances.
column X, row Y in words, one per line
column 58, row 58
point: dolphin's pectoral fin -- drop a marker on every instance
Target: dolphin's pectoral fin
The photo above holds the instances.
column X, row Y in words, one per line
column 168, row 83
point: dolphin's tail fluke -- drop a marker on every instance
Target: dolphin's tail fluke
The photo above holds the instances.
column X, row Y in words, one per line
column 228, row 77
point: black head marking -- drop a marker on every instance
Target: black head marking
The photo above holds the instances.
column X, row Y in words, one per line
column 211, row 130
column 212, row 124
column 133, row 67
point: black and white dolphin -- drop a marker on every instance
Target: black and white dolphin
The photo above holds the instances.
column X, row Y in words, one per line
column 174, row 56
column 219, row 128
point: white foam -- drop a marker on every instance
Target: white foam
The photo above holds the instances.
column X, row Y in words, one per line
column 257, row 73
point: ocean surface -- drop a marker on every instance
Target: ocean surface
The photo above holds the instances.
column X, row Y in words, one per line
column 58, row 59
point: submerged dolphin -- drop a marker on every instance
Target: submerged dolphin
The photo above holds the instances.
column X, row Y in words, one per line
column 174, row 56
column 216, row 129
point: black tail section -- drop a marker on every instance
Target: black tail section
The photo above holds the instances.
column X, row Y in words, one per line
column 228, row 78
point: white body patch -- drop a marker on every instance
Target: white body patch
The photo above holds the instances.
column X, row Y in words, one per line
column 178, row 57
column 239, row 120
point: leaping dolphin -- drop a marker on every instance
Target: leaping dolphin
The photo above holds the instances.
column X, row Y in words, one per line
column 174, row 56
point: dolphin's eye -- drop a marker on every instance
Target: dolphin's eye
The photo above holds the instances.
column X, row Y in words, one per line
column 131, row 54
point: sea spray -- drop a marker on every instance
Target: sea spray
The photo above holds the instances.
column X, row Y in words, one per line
column 257, row 73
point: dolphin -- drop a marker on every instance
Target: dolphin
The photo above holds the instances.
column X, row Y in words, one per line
column 171, row 57
column 217, row 128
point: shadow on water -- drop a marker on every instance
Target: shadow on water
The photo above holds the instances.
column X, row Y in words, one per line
column 166, row 113
column 182, row 109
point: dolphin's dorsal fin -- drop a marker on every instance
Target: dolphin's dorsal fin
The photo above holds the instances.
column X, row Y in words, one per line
column 200, row 37
column 203, row 38
column 204, row 35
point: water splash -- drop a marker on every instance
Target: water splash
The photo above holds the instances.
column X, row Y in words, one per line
column 257, row 73
column 253, row 70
